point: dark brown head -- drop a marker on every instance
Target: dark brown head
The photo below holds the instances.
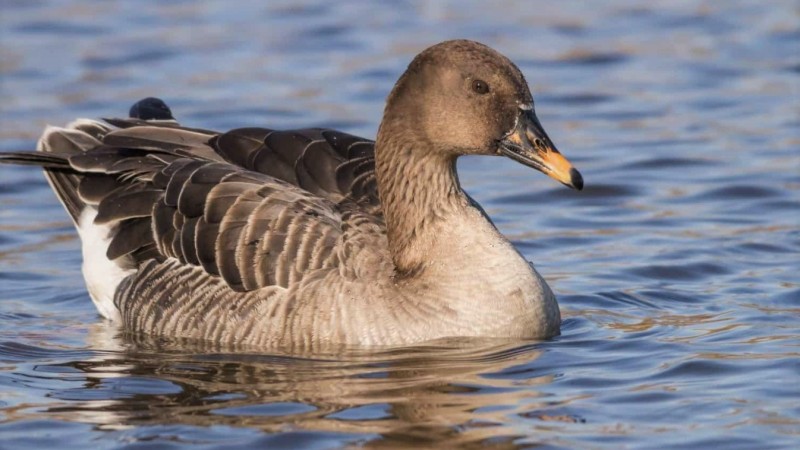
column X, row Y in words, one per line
column 461, row 97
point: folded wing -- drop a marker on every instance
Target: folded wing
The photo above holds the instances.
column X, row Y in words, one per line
column 254, row 207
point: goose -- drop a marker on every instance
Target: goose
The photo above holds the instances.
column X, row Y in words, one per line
column 311, row 237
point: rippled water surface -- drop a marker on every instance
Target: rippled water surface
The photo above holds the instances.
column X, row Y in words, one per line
column 676, row 268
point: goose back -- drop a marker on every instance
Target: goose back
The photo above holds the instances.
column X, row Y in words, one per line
column 255, row 207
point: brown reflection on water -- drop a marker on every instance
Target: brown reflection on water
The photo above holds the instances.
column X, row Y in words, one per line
column 433, row 395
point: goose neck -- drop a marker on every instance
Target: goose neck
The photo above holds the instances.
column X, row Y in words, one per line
column 419, row 191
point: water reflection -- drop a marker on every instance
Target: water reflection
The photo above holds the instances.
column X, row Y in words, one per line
column 454, row 392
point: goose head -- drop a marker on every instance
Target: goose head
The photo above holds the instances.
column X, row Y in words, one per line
column 463, row 98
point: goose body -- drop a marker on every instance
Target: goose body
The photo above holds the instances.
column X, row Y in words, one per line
column 305, row 238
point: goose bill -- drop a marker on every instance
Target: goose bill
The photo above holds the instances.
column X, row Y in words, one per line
column 528, row 144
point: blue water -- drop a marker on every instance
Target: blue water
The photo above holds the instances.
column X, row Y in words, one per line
column 676, row 268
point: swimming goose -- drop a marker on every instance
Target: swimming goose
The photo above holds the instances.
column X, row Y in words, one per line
column 306, row 238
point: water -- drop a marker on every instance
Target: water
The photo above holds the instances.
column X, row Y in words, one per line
column 676, row 268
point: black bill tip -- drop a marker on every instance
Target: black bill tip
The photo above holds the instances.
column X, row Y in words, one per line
column 576, row 179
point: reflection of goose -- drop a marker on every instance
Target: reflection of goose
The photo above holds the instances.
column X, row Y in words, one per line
column 308, row 237
column 438, row 393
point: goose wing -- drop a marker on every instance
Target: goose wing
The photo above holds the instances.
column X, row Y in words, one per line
column 327, row 163
column 330, row 164
column 255, row 207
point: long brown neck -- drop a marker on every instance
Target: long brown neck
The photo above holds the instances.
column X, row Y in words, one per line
column 418, row 187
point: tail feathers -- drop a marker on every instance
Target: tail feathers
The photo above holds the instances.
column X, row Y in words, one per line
column 65, row 185
column 48, row 161
column 77, row 138
column 59, row 175
column 54, row 149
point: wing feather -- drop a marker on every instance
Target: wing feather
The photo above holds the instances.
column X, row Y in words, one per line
column 327, row 163
column 254, row 207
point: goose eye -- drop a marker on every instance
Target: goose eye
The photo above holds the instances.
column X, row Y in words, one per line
column 480, row 87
